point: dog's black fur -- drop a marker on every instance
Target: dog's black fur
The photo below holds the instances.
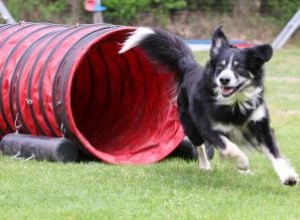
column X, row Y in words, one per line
column 209, row 109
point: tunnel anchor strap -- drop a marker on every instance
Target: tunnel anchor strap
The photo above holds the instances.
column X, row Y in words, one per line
column 18, row 154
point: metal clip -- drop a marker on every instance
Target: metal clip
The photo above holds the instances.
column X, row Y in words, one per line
column 29, row 101
column 63, row 130
column 17, row 126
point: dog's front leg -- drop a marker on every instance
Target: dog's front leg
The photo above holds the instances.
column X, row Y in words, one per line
column 202, row 158
column 266, row 137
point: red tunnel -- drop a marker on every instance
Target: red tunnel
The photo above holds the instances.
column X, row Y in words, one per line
column 70, row 80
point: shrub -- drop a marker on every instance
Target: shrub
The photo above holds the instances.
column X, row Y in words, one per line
column 56, row 11
column 36, row 10
column 127, row 11
column 280, row 11
column 212, row 5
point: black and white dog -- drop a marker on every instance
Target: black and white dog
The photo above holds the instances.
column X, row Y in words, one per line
column 221, row 103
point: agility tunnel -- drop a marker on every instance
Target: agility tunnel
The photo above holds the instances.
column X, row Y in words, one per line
column 70, row 81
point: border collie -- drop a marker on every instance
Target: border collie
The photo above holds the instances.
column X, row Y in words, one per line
column 221, row 103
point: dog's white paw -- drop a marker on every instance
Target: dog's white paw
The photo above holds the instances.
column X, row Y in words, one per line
column 286, row 173
column 204, row 165
column 290, row 179
column 241, row 162
column 203, row 162
column 233, row 153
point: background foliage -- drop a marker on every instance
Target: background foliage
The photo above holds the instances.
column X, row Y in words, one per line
column 56, row 11
column 127, row 11
column 257, row 21
column 279, row 10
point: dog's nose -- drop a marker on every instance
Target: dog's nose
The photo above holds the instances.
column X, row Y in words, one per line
column 224, row 80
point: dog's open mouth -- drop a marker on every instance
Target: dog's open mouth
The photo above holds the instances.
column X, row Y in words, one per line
column 228, row 90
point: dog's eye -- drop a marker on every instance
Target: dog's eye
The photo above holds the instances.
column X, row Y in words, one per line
column 220, row 66
column 239, row 69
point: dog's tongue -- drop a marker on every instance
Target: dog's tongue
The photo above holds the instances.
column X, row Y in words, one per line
column 227, row 90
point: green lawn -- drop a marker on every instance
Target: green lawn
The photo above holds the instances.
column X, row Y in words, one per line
column 172, row 189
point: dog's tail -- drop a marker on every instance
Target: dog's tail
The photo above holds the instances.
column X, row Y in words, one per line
column 164, row 48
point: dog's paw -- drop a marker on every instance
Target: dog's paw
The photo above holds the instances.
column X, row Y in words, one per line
column 233, row 153
column 205, row 166
column 286, row 173
column 241, row 162
column 291, row 179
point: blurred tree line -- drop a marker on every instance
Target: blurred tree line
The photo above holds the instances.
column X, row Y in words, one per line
column 128, row 11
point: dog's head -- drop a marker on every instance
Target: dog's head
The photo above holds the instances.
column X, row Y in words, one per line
column 236, row 69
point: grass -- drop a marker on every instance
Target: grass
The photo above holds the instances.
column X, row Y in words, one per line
column 171, row 189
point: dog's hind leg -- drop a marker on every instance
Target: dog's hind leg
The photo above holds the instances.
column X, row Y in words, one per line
column 203, row 161
column 192, row 134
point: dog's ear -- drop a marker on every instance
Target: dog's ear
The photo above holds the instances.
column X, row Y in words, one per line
column 219, row 40
column 258, row 55
column 263, row 52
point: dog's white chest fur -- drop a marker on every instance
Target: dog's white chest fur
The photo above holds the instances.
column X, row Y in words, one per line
column 241, row 134
column 237, row 134
column 245, row 100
